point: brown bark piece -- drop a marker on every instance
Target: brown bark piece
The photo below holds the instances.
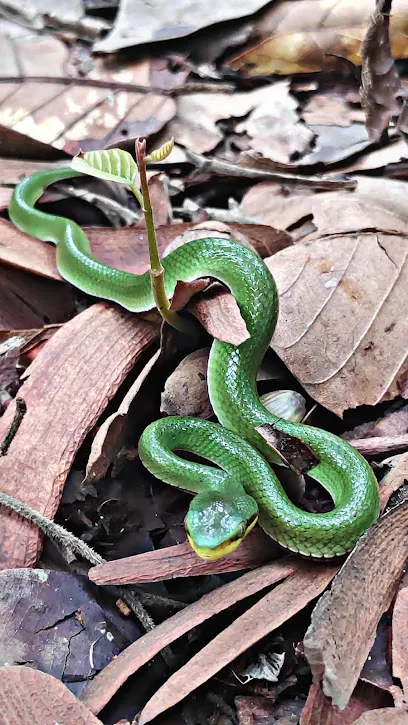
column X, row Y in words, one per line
column 106, row 683
column 180, row 560
column 400, row 635
column 385, row 716
column 270, row 612
column 109, row 438
column 319, row 710
column 69, row 384
column 31, row 697
column 342, row 631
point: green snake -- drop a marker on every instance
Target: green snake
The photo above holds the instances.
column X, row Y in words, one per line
column 239, row 485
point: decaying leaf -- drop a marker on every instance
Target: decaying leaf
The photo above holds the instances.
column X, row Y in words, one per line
column 25, row 301
column 342, row 632
column 274, row 128
column 400, row 635
column 73, row 115
column 30, row 697
column 219, row 313
column 344, row 292
column 180, row 560
column 68, row 386
column 138, row 22
column 224, row 647
column 318, row 709
column 51, row 620
column 385, row 716
column 311, row 35
column 380, row 82
column 185, row 391
column 110, row 436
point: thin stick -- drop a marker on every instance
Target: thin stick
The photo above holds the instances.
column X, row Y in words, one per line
column 223, row 168
column 21, row 409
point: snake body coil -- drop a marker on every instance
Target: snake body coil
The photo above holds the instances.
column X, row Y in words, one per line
column 229, row 497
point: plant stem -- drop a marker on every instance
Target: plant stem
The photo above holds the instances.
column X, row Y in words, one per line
column 156, row 268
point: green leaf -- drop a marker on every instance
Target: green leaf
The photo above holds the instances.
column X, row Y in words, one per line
column 112, row 165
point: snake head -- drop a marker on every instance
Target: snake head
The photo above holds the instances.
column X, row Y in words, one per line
column 217, row 521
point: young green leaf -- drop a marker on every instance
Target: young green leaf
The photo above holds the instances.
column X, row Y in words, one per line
column 112, row 165
column 162, row 153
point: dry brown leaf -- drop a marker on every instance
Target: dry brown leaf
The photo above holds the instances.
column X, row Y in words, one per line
column 195, row 124
column 303, row 37
column 26, row 301
column 69, row 384
column 344, row 293
column 342, row 632
column 31, row 697
column 393, row 480
column 185, row 391
column 123, row 248
column 385, row 716
column 180, row 560
column 400, row 635
column 68, row 112
column 318, row 709
column 138, row 22
column 274, row 128
column 393, row 423
column 330, row 107
column 393, row 153
column 106, row 683
column 380, row 82
column 219, row 314
column 270, row 612
column 109, row 437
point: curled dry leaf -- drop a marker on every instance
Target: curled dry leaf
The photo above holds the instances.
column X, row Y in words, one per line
column 394, row 479
column 385, row 716
column 380, row 82
column 342, row 632
column 304, row 37
column 110, row 436
column 270, row 612
column 108, row 681
column 318, row 709
column 185, row 391
column 219, row 314
column 30, row 697
column 68, row 386
column 180, row 560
